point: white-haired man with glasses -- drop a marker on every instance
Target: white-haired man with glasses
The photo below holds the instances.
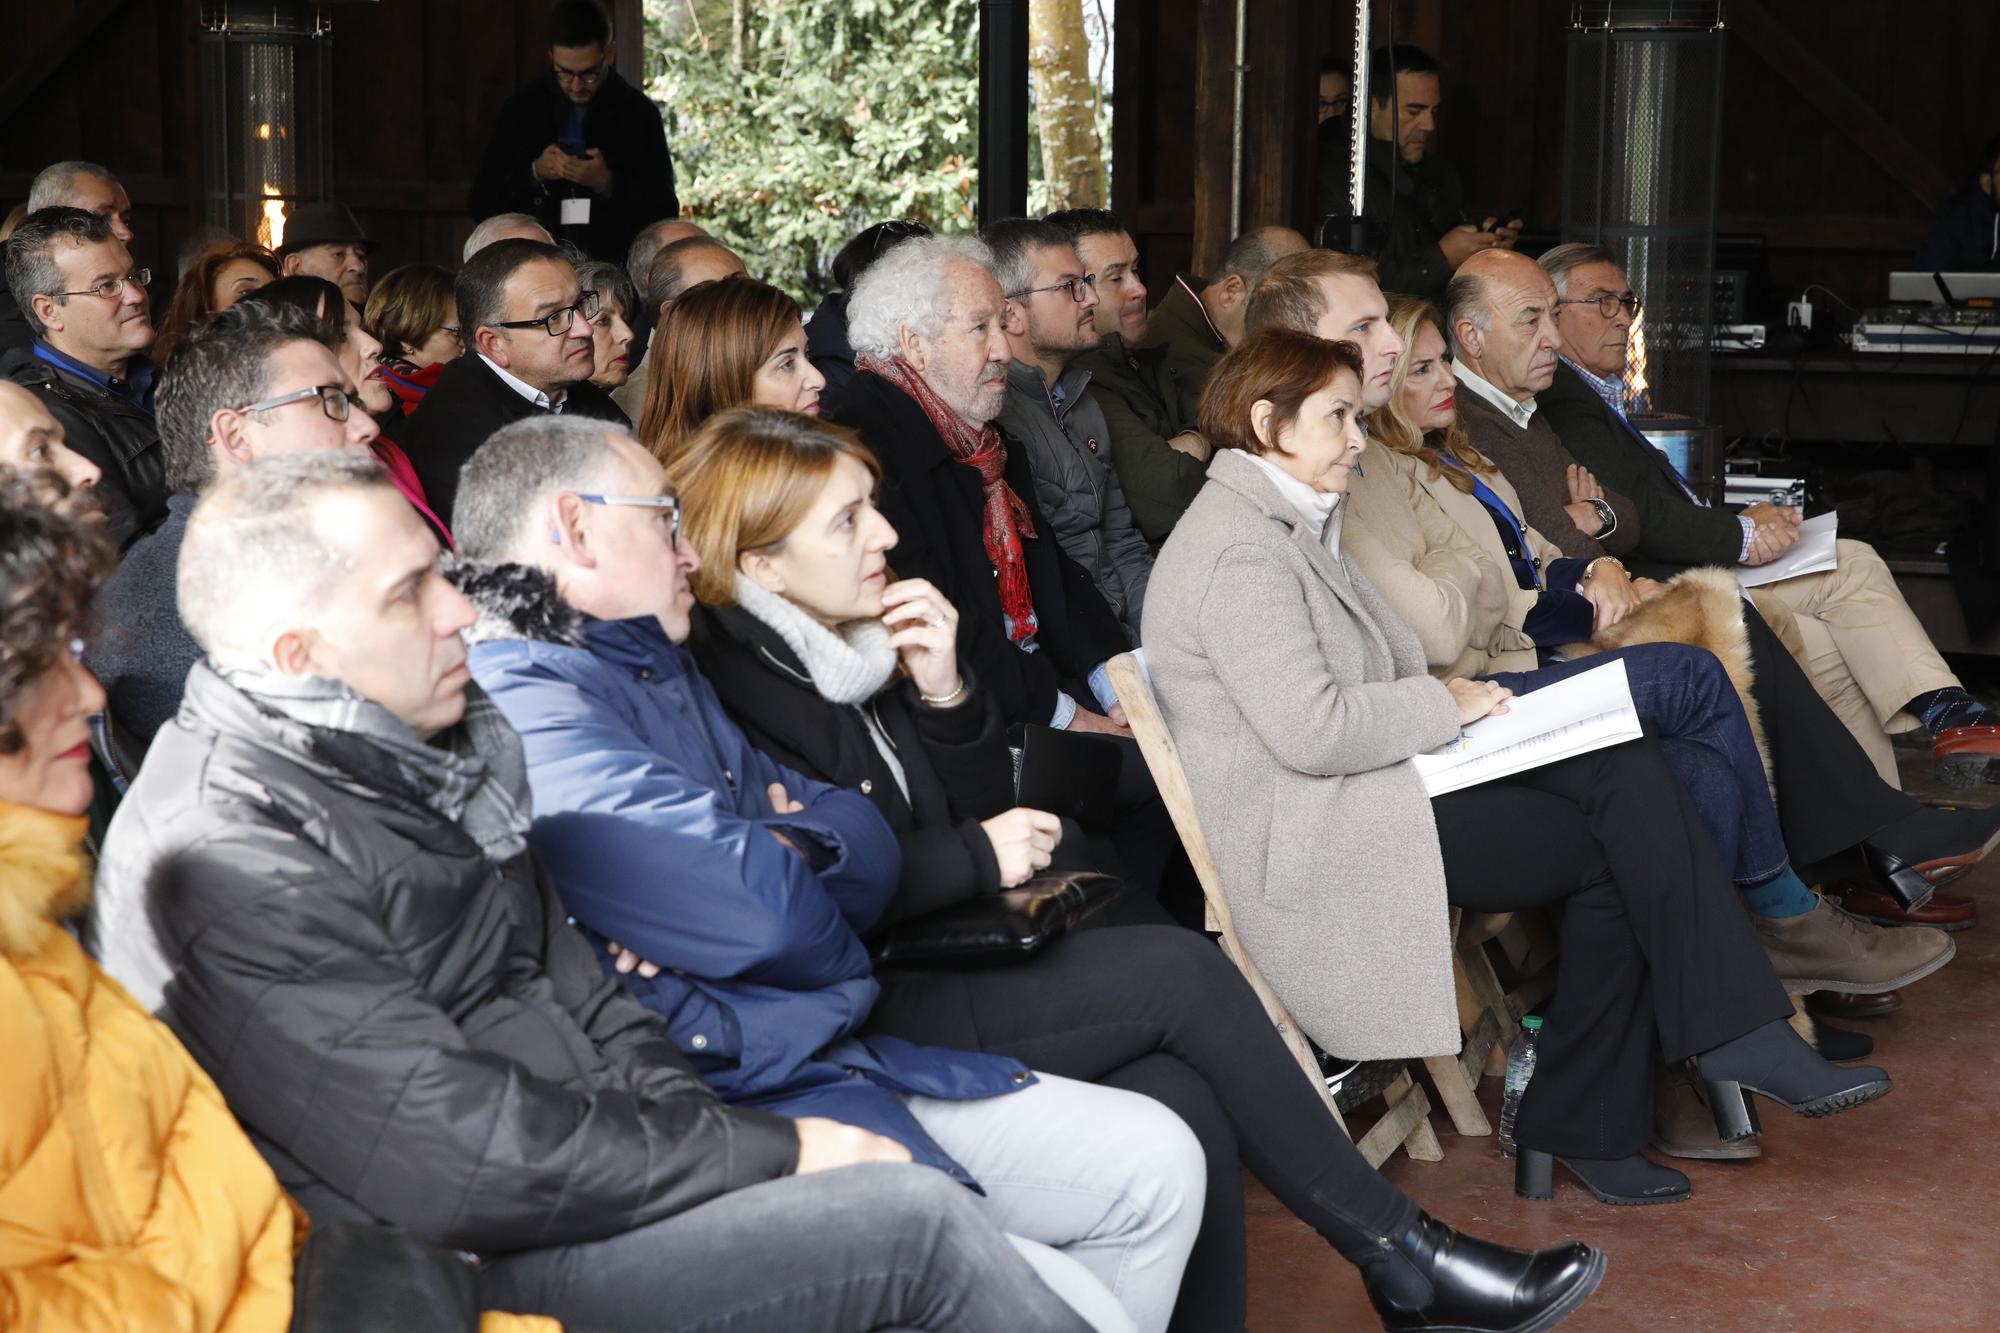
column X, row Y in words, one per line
column 255, row 382
column 579, row 149
column 85, row 302
column 525, row 320
column 1050, row 319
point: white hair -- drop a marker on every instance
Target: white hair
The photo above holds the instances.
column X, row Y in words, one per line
column 253, row 553
column 52, row 185
column 495, row 228
column 909, row 288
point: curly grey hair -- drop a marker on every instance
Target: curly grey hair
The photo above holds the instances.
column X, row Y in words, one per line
column 909, row 287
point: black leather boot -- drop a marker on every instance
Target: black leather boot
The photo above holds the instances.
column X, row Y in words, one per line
column 1476, row 1286
column 1773, row 1061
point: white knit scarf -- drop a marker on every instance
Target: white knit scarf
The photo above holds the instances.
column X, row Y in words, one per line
column 849, row 667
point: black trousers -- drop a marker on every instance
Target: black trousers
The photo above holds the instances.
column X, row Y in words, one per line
column 1158, row 1010
column 1829, row 795
column 1657, row 953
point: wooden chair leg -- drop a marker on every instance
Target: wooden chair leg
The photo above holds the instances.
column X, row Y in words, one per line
column 1455, row 1090
column 1406, row 1124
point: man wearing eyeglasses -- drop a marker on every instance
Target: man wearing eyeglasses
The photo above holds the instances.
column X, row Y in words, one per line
column 256, row 382
column 1867, row 653
column 85, row 302
column 1050, row 319
column 525, row 320
column 581, row 150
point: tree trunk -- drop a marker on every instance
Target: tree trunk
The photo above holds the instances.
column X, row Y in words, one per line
column 1065, row 104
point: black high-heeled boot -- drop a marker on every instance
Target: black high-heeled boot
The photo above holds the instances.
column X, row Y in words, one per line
column 1627, row 1180
column 1477, row 1286
column 1773, row 1061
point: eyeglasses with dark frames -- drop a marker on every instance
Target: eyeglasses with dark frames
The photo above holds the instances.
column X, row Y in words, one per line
column 582, row 78
column 1074, row 286
column 557, row 322
column 668, row 504
column 333, row 400
column 1608, row 304
column 112, row 288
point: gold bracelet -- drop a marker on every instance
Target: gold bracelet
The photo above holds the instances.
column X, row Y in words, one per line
column 1591, row 568
column 945, row 700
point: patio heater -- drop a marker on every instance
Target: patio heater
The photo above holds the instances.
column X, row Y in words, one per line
column 266, row 85
column 1643, row 115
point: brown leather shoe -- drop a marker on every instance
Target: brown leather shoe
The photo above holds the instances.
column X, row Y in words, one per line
column 1828, row 949
column 1683, row 1126
column 1963, row 756
column 1839, row 1007
column 1946, row 911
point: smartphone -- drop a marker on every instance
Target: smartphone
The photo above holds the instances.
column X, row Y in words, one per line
column 574, row 147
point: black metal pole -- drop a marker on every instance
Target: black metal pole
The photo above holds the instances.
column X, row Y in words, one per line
column 1003, row 109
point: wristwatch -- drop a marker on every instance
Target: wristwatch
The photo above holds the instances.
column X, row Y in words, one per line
column 1607, row 516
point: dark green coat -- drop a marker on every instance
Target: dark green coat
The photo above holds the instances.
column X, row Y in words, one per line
column 1180, row 326
column 1144, row 405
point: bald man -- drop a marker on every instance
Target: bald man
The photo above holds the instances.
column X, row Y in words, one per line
column 1198, row 321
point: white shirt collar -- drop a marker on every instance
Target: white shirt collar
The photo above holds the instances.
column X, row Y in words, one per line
column 1518, row 413
column 1314, row 507
column 525, row 389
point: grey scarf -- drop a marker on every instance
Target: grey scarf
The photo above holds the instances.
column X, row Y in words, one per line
column 473, row 774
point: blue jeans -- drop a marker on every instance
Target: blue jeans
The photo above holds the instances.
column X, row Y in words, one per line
column 1684, row 700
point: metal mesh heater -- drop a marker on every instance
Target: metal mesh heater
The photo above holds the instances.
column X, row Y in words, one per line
column 266, row 78
column 1644, row 106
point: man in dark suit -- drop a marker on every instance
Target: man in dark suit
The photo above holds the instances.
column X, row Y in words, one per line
column 526, row 324
column 580, row 149
column 1866, row 651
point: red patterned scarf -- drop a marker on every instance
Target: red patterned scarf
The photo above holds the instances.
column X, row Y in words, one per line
column 982, row 450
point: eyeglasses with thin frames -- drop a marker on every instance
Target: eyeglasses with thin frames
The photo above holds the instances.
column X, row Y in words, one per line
column 557, row 322
column 1608, row 304
column 670, row 505
column 333, row 400
column 112, row 288
column 1076, row 287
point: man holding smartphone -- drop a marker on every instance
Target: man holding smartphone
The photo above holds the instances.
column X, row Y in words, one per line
column 581, row 150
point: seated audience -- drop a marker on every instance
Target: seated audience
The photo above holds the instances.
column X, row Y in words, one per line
column 83, row 185
column 500, row 1095
column 503, row 227
column 677, row 266
column 1159, row 457
column 413, row 313
column 826, row 332
column 652, row 238
column 221, row 277
column 1196, row 321
column 86, row 306
column 926, row 320
column 135, row 1199
column 1051, row 413
column 611, row 330
column 1293, row 690
column 849, row 681
column 251, row 382
column 31, row 437
column 733, row 342
column 361, row 360
column 579, row 147
column 1866, row 650
column 653, row 814
column 323, row 240
column 526, row 323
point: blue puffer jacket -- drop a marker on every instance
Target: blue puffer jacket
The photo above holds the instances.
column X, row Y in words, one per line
column 652, row 815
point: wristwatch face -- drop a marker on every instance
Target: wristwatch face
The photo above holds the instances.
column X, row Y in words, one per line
column 1606, row 516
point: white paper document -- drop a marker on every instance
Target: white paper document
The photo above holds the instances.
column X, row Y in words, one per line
column 1812, row 553
column 1589, row 711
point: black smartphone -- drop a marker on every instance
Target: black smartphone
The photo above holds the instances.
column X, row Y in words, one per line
column 574, row 147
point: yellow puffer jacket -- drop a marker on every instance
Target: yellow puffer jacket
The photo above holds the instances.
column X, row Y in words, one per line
column 129, row 1196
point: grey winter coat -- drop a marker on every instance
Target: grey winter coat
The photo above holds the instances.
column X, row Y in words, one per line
column 1297, row 698
column 1069, row 451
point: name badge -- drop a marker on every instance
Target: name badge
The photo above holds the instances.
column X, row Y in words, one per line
column 576, row 212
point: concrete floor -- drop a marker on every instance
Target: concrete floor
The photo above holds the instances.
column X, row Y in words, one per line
column 1887, row 1217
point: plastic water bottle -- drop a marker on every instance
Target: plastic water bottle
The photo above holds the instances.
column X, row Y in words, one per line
column 1520, row 1068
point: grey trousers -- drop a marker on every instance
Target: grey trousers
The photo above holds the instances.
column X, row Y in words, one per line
column 863, row 1248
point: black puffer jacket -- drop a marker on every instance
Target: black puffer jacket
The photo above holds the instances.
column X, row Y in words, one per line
column 955, row 760
column 120, row 438
column 410, row 1032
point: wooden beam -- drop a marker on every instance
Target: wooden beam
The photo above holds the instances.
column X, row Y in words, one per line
column 45, row 64
column 1214, row 107
column 1852, row 114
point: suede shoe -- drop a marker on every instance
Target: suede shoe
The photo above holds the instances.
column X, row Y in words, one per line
column 1946, row 911
column 1829, row 949
column 1683, row 1125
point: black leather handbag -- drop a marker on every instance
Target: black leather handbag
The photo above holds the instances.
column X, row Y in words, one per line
column 998, row 928
column 356, row 1277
